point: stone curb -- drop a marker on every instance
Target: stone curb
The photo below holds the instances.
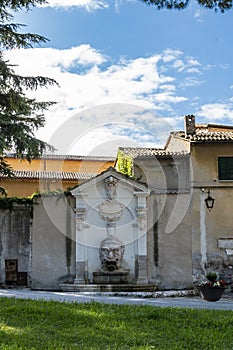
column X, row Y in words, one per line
column 157, row 294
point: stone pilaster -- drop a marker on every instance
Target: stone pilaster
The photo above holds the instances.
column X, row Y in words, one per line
column 142, row 270
column 141, row 256
column 80, row 273
column 81, row 246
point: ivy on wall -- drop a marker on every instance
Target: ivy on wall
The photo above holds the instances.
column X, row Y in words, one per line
column 8, row 203
column 125, row 164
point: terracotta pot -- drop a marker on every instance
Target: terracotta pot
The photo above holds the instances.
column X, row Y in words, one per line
column 211, row 293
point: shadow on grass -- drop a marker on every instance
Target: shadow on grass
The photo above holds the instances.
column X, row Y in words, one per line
column 27, row 324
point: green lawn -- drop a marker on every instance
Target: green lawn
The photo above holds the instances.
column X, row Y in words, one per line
column 27, row 324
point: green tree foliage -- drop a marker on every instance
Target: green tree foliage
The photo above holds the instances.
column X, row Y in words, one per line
column 217, row 5
column 125, row 164
column 20, row 116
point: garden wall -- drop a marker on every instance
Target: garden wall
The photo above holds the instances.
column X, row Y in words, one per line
column 15, row 242
column 53, row 242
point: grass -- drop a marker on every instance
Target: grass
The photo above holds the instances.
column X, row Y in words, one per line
column 28, row 324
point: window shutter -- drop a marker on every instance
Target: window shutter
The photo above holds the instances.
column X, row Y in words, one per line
column 225, row 168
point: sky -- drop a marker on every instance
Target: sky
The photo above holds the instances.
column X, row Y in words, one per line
column 127, row 72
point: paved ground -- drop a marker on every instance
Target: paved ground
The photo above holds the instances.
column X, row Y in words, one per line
column 226, row 303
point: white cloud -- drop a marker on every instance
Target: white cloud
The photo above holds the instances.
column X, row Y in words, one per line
column 89, row 5
column 193, row 71
column 34, row 61
column 193, row 62
column 84, row 83
column 171, row 55
column 217, row 112
column 88, row 79
column 191, row 81
column 198, row 15
column 183, row 64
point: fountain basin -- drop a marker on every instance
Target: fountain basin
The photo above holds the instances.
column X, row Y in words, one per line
column 113, row 277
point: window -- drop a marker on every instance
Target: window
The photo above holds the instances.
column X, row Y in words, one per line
column 225, row 168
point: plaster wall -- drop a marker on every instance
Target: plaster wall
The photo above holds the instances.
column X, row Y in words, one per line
column 170, row 241
column 177, row 144
column 19, row 188
column 25, row 188
column 164, row 174
column 15, row 240
column 208, row 228
column 53, row 242
column 65, row 165
column 204, row 162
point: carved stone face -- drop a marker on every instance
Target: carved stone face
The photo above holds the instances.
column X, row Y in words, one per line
column 111, row 253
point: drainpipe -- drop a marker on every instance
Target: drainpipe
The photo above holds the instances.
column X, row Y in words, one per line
column 203, row 232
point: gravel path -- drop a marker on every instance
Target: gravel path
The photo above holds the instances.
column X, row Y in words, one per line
column 226, row 303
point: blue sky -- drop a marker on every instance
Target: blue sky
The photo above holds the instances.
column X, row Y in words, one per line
column 128, row 73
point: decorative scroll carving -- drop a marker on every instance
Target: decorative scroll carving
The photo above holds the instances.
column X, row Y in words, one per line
column 141, row 222
column 80, row 219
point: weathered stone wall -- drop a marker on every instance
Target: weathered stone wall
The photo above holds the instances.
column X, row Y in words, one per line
column 53, row 242
column 164, row 175
column 212, row 231
column 170, row 241
column 15, row 239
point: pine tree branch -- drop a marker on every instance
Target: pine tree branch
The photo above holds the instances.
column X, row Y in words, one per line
column 20, row 116
column 216, row 5
column 7, row 6
column 10, row 38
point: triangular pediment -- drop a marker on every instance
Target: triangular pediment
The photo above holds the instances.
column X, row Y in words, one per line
column 123, row 179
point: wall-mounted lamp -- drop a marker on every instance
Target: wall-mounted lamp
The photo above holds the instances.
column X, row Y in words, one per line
column 209, row 201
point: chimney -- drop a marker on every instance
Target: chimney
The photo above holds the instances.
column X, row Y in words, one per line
column 190, row 127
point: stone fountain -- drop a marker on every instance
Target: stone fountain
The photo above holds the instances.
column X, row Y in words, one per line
column 111, row 234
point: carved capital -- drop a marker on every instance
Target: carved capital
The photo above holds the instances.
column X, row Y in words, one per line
column 81, row 224
column 80, row 217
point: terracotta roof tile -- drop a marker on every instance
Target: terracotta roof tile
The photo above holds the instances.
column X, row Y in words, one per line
column 52, row 175
column 207, row 136
column 71, row 157
column 151, row 152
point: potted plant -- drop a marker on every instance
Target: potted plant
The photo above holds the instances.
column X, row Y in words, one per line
column 211, row 289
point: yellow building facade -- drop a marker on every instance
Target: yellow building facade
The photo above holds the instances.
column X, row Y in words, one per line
column 51, row 173
column 211, row 174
